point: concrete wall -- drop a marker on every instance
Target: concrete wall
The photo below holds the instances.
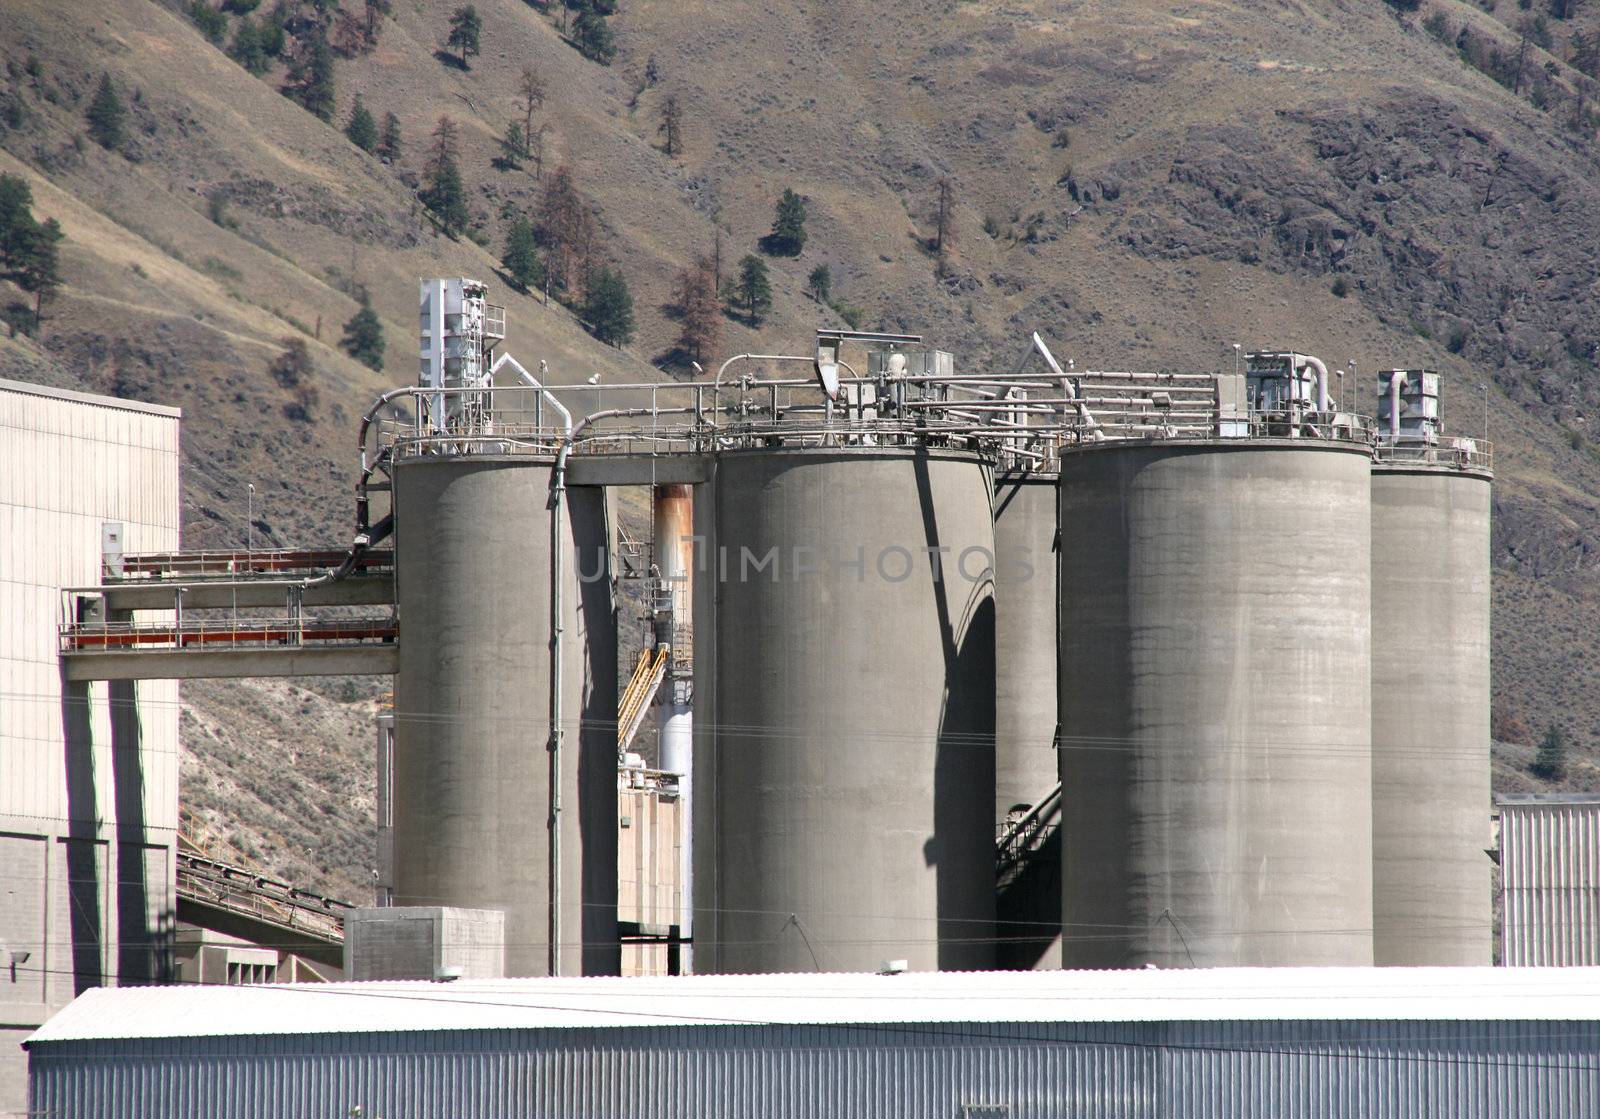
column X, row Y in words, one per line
column 649, row 855
column 1025, row 641
column 88, row 773
column 1431, row 891
column 424, row 942
column 844, row 775
column 1216, row 705
column 472, row 706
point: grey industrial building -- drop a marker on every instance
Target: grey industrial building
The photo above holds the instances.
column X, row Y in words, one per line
column 1474, row 1043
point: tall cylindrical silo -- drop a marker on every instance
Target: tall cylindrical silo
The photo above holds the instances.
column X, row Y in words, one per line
column 1028, row 917
column 844, row 676
column 1216, row 704
column 473, row 705
column 1432, row 897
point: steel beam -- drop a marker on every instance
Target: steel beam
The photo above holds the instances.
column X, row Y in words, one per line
column 211, row 664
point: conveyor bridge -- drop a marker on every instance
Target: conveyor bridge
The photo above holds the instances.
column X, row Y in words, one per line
column 232, row 614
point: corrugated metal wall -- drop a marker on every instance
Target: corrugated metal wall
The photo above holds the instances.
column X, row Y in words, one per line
column 1464, row 1070
column 1550, row 876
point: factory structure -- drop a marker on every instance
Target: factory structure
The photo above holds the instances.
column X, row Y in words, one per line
column 1036, row 668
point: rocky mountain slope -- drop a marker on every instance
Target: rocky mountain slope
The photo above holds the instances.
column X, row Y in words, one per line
column 1146, row 183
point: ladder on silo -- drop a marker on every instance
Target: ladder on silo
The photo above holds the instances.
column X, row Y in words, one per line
column 640, row 693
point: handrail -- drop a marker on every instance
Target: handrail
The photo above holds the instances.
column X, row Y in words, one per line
column 1025, row 835
column 232, row 631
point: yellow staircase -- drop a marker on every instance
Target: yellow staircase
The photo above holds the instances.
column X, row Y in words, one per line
column 647, row 677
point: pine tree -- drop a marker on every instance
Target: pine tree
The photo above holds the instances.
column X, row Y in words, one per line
column 272, row 36
column 609, row 308
column 788, row 235
column 17, row 226
column 247, row 49
column 389, row 143
column 363, row 338
column 513, row 146
column 565, row 227
column 755, row 290
column 521, row 257
column 310, row 79
column 1551, row 761
column 107, row 118
column 41, row 266
column 700, row 311
column 671, row 125
column 592, row 35
column 362, row 129
column 465, row 31
column 820, row 283
column 445, row 195
column 212, row 23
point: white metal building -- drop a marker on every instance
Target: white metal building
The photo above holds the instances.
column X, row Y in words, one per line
column 88, row 773
column 1550, row 879
column 1459, row 1042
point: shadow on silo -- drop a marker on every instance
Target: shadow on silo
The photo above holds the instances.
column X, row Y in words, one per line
column 962, row 848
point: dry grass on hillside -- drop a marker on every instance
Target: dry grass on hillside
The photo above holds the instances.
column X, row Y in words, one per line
column 1147, row 184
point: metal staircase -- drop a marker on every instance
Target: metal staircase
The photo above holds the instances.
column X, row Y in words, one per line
column 1028, row 887
column 1020, row 842
column 641, row 691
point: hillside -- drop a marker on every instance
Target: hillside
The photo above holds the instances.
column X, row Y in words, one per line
column 1145, row 183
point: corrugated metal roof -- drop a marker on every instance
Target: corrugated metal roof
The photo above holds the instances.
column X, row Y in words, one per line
column 1222, row 994
column 90, row 398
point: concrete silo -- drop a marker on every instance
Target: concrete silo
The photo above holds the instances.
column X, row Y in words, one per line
column 1216, row 702
column 844, row 675
column 1029, row 902
column 1430, row 687
column 473, row 705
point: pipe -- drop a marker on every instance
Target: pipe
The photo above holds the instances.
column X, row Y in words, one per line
column 716, row 382
column 529, row 380
column 672, row 531
column 1396, row 378
column 1323, row 404
column 558, row 489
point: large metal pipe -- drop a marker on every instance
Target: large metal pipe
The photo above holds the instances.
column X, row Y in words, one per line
column 673, row 525
column 1324, row 403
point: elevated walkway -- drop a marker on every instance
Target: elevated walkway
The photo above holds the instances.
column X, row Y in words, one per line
column 230, row 614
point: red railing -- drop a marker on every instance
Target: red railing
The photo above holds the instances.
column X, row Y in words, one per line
column 223, row 633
